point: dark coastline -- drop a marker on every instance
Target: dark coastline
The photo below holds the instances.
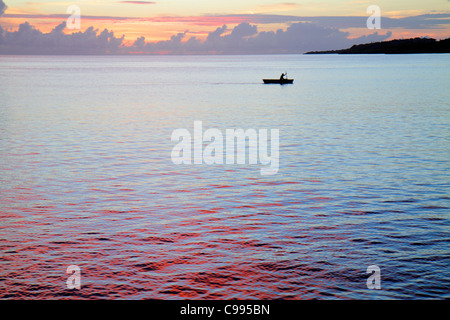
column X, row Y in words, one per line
column 406, row 46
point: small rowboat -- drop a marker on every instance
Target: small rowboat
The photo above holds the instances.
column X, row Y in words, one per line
column 278, row 81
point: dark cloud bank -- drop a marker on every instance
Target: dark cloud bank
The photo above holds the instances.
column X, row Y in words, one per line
column 245, row 38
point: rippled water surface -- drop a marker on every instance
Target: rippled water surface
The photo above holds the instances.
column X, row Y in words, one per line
column 87, row 178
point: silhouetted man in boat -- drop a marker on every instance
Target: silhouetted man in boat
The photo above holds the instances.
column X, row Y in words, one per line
column 282, row 77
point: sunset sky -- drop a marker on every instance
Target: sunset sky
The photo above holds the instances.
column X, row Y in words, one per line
column 162, row 19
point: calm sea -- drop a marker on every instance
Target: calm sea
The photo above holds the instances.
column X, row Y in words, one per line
column 87, row 178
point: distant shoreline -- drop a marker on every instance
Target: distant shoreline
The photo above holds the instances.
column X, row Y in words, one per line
column 404, row 46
